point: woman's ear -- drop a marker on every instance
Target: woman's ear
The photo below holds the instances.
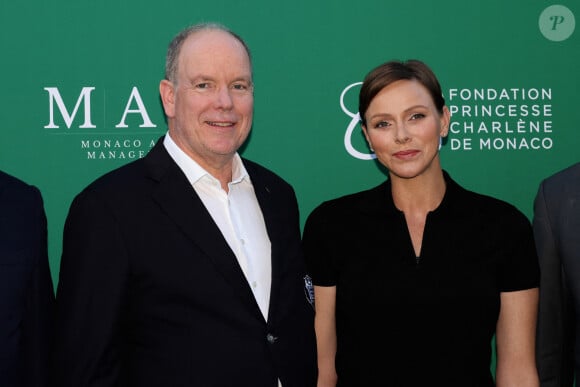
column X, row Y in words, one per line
column 445, row 121
column 364, row 129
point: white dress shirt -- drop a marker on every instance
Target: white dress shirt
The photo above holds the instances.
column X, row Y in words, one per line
column 238, row 216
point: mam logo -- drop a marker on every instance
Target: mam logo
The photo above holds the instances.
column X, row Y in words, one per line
column 134, row 105
column 119, row 144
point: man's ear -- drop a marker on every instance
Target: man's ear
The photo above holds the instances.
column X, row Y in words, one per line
column 167, row 93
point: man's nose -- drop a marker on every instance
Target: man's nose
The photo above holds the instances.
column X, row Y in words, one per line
column 224, row 98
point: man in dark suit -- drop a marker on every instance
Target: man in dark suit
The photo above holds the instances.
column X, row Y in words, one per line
column 557, row 234
column 185, row 268
column 26, row 291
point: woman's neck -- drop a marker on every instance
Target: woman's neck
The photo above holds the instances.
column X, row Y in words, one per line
column 420, row 194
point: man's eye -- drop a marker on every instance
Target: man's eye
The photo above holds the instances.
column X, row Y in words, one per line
column 240, row 86
column 203, row 85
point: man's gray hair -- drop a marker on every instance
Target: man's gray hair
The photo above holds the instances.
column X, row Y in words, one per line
column 175, row 46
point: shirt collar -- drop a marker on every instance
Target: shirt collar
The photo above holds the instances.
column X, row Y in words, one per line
column 194, row 172
column 381, row 197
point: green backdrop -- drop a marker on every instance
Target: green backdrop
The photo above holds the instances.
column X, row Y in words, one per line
column 79, row 95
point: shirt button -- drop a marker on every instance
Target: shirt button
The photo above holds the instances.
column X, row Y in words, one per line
column 254, row 284
column 271, row 338
column 243, row 241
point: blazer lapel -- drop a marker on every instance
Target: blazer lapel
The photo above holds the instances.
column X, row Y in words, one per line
column 270, row 205
column 181, row 203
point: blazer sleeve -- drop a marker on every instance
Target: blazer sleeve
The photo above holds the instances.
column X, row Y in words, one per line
column 90, row 297
column 554, row 354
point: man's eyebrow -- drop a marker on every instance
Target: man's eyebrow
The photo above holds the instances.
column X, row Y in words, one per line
column 243, row 78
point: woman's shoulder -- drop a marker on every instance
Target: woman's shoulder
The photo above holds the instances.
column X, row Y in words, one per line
column 356, row 199
column 486, row 206
column 348, row 205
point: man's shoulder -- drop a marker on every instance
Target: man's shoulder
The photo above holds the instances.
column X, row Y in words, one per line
column 261, row 173
column 124, row 177
column 122, row 190
column 135, row 173
column 122, row 186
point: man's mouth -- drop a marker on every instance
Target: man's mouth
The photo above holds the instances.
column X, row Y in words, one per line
column 220, row 124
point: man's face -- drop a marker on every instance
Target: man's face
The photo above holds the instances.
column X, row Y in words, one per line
column 210, row 106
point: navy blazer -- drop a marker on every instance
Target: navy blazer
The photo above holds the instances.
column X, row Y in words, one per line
column 557, row 234
column 26, row 291
column 150, row 293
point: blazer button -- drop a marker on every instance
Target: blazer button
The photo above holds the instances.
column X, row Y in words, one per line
column 271, row 338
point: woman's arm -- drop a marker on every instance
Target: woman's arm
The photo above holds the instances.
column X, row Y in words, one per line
column 325, row 325
column 515, row 339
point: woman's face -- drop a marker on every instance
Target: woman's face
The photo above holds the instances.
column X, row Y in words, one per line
column 403, row 128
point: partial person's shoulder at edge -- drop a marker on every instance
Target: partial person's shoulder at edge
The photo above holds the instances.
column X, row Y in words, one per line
column 13, row 180
column 567, row 174
column 16, row 187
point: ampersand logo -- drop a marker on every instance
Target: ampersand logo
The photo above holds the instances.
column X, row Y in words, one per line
column 354, row 121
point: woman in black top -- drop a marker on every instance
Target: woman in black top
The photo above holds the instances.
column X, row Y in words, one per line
column 413, row 278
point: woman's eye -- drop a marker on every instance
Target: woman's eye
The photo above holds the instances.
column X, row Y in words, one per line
column 381, row 124
column 417, row 116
